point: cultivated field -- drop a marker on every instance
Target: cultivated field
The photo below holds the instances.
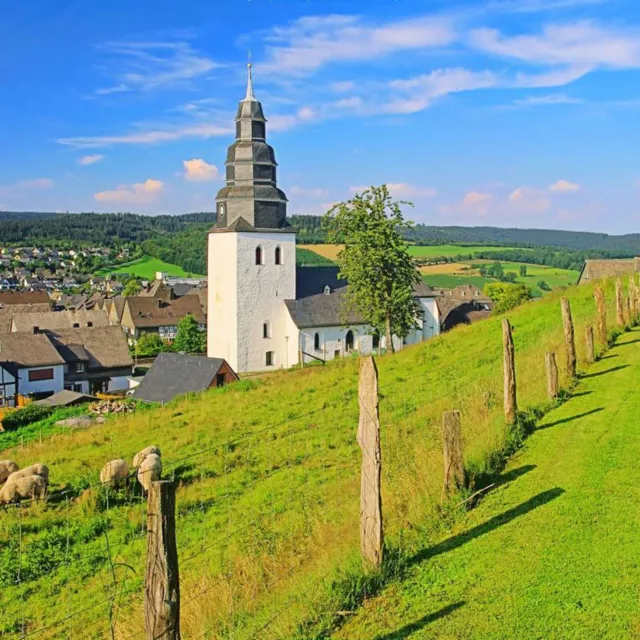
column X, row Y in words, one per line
column 146, row 268
column 268, row 483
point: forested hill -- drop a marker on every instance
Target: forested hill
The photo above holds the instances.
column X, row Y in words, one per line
column 181, row 239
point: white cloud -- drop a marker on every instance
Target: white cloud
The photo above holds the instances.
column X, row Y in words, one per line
column 312, row 42
column 564, row 186
column 402, row 189
column 473, row 198
column 550, row 99
column 92, row 159
column 34, row 184
column 138, row 193
column 145, row 66
column 343, row 86
column 311, row 193
column 197, row 170
column 530, row 200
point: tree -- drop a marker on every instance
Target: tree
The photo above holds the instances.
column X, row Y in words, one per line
column 149, row 345
column 132, row 288
column 507, row 296
column 510, row 276
column 190, row 338
column 523, row 270
column 375, row 260
column 543, row 286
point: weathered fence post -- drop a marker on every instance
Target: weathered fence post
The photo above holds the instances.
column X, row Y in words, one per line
column 162, row 583
column 627, row 312
column 510, row 402
column 591, row 345
column 619, row 303
column 552, row 375
column 603, row 337
column 371, row 534
column 569, row 339
column 633, row 303
column 452, row 451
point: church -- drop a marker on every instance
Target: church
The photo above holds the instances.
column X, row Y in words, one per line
column 265, row 313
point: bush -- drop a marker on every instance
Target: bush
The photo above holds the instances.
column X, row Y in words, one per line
column 507, row 296
column 26, row 415
column 149, row 345
column 543, row 286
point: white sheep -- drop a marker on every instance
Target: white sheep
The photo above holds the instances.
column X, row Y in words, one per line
column 7, row 467
column 149, row 470
column 33, row 487
column 141, row 455
column 37, row 469
column 115, row 473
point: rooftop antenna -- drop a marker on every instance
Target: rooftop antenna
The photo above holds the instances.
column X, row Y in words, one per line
column 249, row 95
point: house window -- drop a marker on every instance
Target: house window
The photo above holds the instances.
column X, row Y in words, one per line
column 89, row 324
column 316, row 342
column 220, row 380
column 40, row 374
column 76, row 325
column 266, row 330
column 258, row 255
column 278, row 255
column 270, row 358
column 336, row 353
column 79, row 367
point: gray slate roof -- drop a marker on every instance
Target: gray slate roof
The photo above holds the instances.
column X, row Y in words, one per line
column 173, row 374
column 65, row 398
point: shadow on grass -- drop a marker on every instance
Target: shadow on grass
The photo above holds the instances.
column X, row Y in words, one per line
column 514, row 474
column 622, row 344
column 410, row 629
column 487, row 527
column 581, row 393
column 570, row 419
column 608, row 357
column 602, row 373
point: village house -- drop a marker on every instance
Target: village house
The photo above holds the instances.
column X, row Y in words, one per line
column 597, row 269
column 7, row 313
column 30, row 322
column 463, row 305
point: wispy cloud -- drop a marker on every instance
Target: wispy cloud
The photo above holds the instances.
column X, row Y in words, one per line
column 145, row 66
column 137, row 193
column 564, row 186
column 197, row 170
column 33, row 184
column 308, row 192
column 91, row 159
column 402, row 190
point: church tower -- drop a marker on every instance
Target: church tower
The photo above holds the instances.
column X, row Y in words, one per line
column 252, row 253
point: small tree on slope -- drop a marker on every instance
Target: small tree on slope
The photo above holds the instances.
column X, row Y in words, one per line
column 375, row 260
column 189, row 337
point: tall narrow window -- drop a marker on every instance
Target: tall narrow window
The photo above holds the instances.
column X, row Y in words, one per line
column 316, row 342
column 270, row 358
column 258, row 255
column 376, row 339
column 278, row 255
column 266, row 330
column 349, row 340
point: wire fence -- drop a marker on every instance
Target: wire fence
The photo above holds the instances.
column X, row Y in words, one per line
column 268, row 522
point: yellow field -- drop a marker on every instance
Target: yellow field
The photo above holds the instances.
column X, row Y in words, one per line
column 329, row 251
column 448, row 267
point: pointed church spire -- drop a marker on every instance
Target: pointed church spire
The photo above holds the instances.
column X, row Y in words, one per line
column 249, row 95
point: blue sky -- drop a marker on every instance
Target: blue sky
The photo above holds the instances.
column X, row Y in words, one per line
column 518, row 113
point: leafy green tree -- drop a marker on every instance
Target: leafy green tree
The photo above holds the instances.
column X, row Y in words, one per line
column 132, row 288
column 543, row 286
column 510, row 276
column 523, row 270
column 149, row 345
column 190, row 338
column 375, row 260
column 507, row 296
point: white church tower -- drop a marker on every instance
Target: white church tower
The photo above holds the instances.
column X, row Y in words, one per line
column 252, row 253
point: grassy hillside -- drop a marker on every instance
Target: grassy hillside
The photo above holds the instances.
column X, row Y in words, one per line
column 146, row 268
column 268, row 484
column 552, row 552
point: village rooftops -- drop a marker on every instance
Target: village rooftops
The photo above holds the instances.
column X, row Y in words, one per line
column 22, row 350
column 9, row 311
column 32, row 322
column 598, row 269
column 153, row 312
column 24, row 297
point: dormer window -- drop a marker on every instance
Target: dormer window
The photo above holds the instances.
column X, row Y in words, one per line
column 327, row 290
column 259, row 255
column 278, row 255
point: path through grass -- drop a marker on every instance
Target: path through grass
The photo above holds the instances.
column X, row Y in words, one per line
column 553, row 551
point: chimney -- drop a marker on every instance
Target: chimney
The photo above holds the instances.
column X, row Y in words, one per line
column 36, row 329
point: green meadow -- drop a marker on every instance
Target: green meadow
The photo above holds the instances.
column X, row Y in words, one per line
column 267, row 475
column 146, row 268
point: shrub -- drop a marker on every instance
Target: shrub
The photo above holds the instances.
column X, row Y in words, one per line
column 26, row 415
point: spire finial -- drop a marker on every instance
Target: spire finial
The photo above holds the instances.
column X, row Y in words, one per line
column 249, row 95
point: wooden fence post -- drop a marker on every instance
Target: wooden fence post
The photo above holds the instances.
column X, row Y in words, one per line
column 371, row 533
column 591, row 345
column 619, row 303
column 633, row 305
column 569, row 339
column 627, row 312
column 452, row 451
column 510, row 402
column 162, row 583
column 552, row 375
column 603, row 337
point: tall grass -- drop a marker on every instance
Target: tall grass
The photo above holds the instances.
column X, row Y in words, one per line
column 268, row 485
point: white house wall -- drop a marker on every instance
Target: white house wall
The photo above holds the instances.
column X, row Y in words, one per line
column 26, row 387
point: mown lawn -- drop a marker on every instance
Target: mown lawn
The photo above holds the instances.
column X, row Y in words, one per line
column 553, row 551
column 146, row 268
column 268, row 483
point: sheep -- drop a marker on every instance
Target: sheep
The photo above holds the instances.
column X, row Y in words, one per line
column 37, row 469
column 141, row 455
column 23, row 488
column 7, row 467
column 149, row 471
column 115, row 473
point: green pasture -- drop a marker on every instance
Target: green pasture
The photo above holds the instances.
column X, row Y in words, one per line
column 452, row 250
column 146, row 268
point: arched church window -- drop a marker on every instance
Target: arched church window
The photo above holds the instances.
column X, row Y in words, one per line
column 348, row 341
column 258, row 255
column 316, row 342
column 376, row 339
column 266, row 330
column 278, row 255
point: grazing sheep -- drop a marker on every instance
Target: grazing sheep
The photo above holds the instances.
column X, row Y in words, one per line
column 149, row 470
column 141, row 455
column 115, row 473
column 24, row 488
column 37, row 469
column 7, row 467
